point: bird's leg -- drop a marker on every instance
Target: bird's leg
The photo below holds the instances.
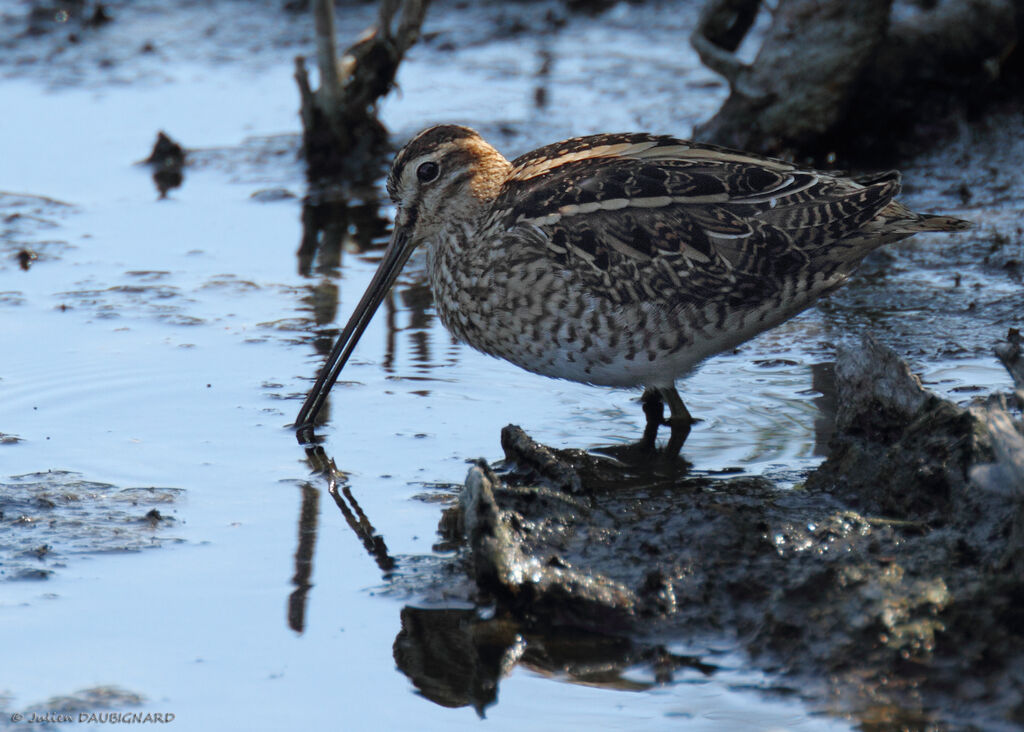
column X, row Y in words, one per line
column 654, row 410
column 680, row 420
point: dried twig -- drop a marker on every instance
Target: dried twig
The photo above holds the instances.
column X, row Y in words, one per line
column 342, row 135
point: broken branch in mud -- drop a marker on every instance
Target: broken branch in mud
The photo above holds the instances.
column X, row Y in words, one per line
column 543, row 593
column 832, row 74
column 342, row 136
column 719, row 32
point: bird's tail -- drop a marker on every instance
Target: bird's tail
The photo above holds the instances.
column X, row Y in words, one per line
column 901, row 220
column 926, row 222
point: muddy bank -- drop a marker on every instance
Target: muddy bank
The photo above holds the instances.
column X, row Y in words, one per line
column 851, row 80
column 887, row 586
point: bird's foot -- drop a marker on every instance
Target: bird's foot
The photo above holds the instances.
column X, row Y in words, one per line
column 679, row 422
column 654, row 411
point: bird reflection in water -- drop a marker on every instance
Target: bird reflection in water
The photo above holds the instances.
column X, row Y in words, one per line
column 457, row 657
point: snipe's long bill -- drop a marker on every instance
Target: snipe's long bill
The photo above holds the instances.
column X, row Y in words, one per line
column 395, row 257
column 622, row 259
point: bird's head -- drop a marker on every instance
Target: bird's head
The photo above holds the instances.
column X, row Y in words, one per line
column 445, row 173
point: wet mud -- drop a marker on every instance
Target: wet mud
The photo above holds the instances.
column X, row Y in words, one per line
column 28, row 225
column 52, row 518
column 886, row 587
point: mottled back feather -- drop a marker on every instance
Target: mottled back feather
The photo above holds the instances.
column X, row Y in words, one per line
column 648, row 210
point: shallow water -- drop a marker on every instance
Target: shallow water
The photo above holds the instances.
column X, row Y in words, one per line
column 167, row 344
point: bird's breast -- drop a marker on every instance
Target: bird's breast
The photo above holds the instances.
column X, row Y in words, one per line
column 530, row 312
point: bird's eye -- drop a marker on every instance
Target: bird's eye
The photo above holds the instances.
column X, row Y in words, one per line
column 427, row 171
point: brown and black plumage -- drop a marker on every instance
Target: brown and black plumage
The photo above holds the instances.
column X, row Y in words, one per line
column 622, row 259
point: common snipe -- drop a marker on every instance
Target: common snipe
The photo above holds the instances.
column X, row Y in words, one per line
column 620, row 260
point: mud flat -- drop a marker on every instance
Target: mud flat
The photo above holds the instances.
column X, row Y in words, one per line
column 887, row 585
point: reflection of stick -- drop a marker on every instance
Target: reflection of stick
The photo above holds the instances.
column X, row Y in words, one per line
column 304, row 557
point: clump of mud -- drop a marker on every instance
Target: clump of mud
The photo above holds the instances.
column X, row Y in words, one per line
column 27, row 228
column 51, row 517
